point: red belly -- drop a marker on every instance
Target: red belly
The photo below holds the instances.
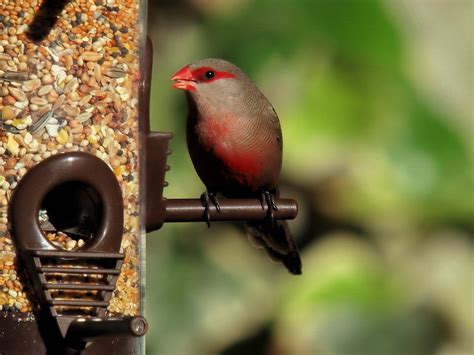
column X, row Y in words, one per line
column 245, row 166
column 229, row 142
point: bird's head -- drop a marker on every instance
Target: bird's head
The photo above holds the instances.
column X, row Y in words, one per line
column 208, row 80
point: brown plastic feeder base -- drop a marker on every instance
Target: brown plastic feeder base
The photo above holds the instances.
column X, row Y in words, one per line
column 19, row 335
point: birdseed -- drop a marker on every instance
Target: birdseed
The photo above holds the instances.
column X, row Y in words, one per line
column 77, row 90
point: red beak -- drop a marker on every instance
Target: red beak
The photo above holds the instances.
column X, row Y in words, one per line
column 184, row 80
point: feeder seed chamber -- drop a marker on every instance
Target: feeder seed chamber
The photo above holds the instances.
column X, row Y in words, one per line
column 82, row 177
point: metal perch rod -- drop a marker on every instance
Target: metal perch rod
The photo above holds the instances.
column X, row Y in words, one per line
column 192, row 210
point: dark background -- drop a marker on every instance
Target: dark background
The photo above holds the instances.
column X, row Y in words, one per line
column 375, row 101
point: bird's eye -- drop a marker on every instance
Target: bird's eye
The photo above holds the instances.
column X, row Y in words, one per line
column 209, row 74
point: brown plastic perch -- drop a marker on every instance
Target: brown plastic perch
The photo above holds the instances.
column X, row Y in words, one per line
column 192, row 210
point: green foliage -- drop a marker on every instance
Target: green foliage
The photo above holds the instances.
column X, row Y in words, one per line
column 267, row 28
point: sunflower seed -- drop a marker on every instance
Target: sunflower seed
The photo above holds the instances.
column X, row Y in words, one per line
column 115, row 73
column 42, row 121
column 53, row 53
column 9, row 128
column 14, row 76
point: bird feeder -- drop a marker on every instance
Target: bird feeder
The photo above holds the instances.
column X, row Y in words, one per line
column 82, row 177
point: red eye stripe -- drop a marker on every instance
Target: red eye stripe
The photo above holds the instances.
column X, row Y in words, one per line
column 200, row 74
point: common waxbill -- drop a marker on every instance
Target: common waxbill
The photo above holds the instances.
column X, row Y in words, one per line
column 235, row 143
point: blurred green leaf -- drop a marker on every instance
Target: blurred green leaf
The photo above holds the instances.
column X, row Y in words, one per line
column 266, row 28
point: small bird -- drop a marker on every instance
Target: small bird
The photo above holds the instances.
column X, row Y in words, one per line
column 235, row 142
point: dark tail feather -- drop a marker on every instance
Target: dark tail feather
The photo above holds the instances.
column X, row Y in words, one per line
column 278, row 242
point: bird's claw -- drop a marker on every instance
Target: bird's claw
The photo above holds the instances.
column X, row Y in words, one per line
column 268, row 199
column 206, row 199
column 215, row 201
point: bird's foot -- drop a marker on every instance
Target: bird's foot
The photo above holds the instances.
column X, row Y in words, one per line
column 269, row 199
column 206, row 199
